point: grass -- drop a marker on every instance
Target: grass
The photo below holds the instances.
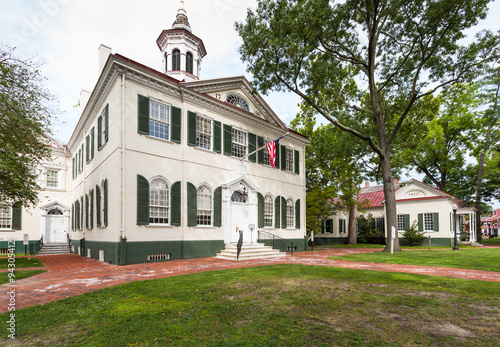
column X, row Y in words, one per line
column 318, row 247
column 470, row 258
column 21, row 262
column 281, row 305
column 18, row 275
column 491, row 242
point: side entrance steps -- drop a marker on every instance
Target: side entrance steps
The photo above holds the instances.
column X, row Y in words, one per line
column 54, row 248
column 249, row 251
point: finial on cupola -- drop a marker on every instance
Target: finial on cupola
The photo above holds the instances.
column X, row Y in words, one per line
column 181, row 21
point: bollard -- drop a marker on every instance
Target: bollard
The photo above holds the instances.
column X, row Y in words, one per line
column 429, row 242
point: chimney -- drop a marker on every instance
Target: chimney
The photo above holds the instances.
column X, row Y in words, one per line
column 104, row 52
column 367, row 184
column 84, row 99
column 396, row 181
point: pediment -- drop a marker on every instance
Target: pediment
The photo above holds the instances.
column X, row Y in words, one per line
column 418, row 190
column 237, row 92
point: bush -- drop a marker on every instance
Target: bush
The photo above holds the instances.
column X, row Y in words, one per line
column 367, row 233
column 412, row 236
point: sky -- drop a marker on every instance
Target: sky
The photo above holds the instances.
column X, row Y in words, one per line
column 68, row 33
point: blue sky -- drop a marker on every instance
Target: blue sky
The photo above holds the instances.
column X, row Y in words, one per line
column 67, row 34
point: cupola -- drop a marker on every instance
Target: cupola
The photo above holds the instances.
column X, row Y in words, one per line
column 182, row 50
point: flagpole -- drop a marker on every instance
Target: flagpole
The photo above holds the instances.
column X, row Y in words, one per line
column 258, row 149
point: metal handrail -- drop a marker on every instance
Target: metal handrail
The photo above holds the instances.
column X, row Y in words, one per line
column 275, row 241
column 35, row 247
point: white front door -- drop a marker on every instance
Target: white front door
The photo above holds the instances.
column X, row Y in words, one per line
column 239, row 221
column 55, row 231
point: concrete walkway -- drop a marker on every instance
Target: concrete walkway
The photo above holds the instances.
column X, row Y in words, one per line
column 69, row 275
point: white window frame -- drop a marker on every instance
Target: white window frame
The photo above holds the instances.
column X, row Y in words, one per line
column 379, row 221
column 235, row 152
column 290, row 160
column 268, row 212
column 6, row 214
column 204, row 131
column 401, row 222
column 205, row 208
column 342, row 226
column 160, row 207
column 290, row 214
column 47, row 180
column 265, row 158
column 428, row 218
column 156, row 119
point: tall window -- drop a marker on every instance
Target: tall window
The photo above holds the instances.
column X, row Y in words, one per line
column 289, row 160
column 52, row 179
column 6, row 218
column 268, row 211
column 204, row 203
column 428, row 221
column 189, row 63
column 266, row 160
column 203, row 132
column 158, row 202
column 342, row 224
column 239, row 143
column 401, row 222
column 379, row 223
column 290, row 211
column 176, row 60
column 102, row 128
column 159, row 120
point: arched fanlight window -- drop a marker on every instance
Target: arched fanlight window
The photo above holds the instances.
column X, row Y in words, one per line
column 158, row 201
column 237, row 101
column 176, row 60
column 55, row 212
column 189, row 63
column 240, row 195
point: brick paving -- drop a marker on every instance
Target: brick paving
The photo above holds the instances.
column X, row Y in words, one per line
column 70, row 275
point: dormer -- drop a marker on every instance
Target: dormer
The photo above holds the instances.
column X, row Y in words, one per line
column 182, row 51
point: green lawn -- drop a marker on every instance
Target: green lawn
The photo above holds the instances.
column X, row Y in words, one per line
column 20, row 262
column 281, row 305
column 18, row 275
column 470, row 258
column 491, row 242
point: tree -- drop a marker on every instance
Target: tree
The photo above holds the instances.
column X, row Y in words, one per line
column 334, row 170
column 24, row 122
column 375, row 59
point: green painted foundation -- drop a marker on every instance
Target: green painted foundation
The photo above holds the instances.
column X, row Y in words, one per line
column 326, row 241
column 299, row 245
column 435, row 242
column 19, row 248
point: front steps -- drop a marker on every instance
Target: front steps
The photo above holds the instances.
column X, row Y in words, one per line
column 54, row 248
column 249, row 251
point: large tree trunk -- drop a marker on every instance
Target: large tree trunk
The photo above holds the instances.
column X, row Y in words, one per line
column 352, row 237
column 478, row 194
column 390, row 202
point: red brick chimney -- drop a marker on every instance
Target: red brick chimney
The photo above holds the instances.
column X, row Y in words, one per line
column 367, row 184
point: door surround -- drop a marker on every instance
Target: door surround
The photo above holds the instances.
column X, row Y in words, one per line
column 46, row 215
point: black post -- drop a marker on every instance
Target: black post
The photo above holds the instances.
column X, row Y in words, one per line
column 455, row 245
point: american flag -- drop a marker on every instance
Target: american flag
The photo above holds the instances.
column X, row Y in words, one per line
column 271, row 149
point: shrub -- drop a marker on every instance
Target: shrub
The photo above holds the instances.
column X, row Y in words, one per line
column 367, row 233
column 412, row 236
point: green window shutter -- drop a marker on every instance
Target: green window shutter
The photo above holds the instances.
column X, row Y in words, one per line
column 283, row 158
column 228, row 139
column 252, row 146
column 175, row 204
column 98, row 204
column 218, row 207
column 277, row 159
column 92, row 135
column 91, row 208
column 297, row 214
column 329, row 226
column 192, row 205
column 192, row 128
column 105, row 209
column 451, row 221
column 217, row 136
column 72, row 216
column 260, row 210
column 283, row 213
column 99, row 132
column 420, row 222
column 260, row 155
column 142, row 200
column 277, row 212
column 17, row 216
column 176, row 124
column 87, row 225
column 106, row 123
column 73, row 168
column 87, row 152
column 407, row 222
column 297, row 162
column 143, row 115
column 436, row 222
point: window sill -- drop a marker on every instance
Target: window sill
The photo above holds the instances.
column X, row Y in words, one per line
column 102, row 146
column 7, row 230
column 160, row 139
column 160, row 226
column 50, row 189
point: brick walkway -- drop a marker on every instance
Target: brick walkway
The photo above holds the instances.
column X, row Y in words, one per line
column 70, row 275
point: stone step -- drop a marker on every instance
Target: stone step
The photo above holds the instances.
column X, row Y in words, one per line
column 249, row 251
column 55, row 248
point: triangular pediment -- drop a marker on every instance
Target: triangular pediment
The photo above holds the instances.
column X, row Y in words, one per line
column 417, row 190
column 237, row 92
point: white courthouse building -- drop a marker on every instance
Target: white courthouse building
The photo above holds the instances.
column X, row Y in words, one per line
column 160, row 164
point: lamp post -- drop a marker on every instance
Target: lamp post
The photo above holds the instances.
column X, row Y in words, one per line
column 455, row 245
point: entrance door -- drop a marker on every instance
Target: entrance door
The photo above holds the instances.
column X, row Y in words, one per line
column 240, row 218
column 55, row 231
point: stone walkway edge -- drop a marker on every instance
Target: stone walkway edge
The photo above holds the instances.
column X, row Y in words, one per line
column 70, row 275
